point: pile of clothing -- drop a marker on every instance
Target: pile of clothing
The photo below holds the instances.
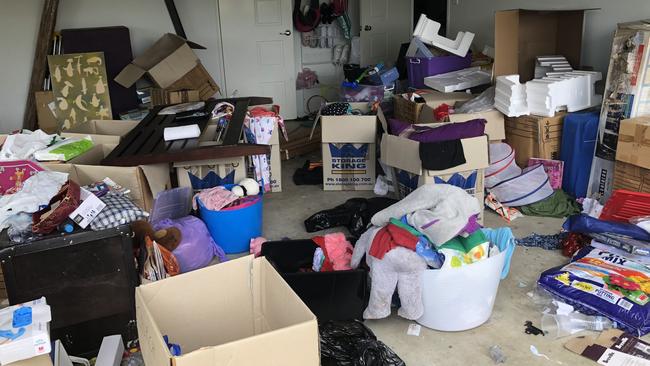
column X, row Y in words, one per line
column 41, row 146
column 47, row 202
column 435, row 227
column 259, row 125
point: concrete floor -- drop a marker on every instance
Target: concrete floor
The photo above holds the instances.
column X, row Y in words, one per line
column 283, row 217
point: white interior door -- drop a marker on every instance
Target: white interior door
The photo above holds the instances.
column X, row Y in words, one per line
column 257, row 37
column 385, row 25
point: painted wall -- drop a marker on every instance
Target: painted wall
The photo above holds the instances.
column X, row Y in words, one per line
column 477, row 16
column 146, row 19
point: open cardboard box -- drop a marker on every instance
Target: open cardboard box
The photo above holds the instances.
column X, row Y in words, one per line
column 520, row 35
column 237, row 313
column 423, row 113
column 634, row 142
column 101, row 131
column 348, row 144
column 144, row 181
column 94, row 156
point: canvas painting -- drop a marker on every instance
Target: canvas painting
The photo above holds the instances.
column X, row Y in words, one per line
column 80, row 87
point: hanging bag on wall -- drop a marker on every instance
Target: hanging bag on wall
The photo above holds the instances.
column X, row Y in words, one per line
column 306, row 22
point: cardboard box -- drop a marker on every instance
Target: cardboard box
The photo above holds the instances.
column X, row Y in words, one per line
column 413, row 112
column 535, row 137
column 144, row 181
column 101, row 131
column 223, row 167
column 163, row 96
column 348, row 145
column 631, row 177
column 170, row 64
column 43, row 360
column 634, row 142
column 521, row 35
column 252, row 318
column 495, row 127
column 46, row 119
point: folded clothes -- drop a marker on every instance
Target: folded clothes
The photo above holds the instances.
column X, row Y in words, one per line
column 444, row 132
column 214, row 198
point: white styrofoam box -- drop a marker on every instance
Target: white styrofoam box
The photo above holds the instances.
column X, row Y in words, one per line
column 458, row 80
column 31, row 340
column 510, row 96
column 427, row 30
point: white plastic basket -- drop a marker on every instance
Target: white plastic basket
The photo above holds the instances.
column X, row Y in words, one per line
column 531, row 186
column 457, row 299
column 502, row 164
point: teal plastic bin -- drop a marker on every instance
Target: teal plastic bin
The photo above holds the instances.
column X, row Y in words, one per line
column 233, row 229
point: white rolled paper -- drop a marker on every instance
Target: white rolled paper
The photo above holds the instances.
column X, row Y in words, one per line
column 181, row 132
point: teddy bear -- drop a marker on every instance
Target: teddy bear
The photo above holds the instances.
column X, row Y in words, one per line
column 400, row 267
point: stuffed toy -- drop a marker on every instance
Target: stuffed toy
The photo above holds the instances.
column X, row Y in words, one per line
column 400, row 267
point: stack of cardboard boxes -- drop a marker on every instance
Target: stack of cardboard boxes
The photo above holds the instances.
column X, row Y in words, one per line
column 632, row 168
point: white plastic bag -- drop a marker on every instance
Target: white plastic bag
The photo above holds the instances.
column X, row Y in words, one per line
column 24, row 145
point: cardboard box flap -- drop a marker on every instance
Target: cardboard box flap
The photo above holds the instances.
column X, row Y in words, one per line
column 160, row 50
column 129, row 75
column 178, row 63
column 635, row 130
column 404, row 154
column 436, row 98
column 495, row 127
column 157, row 176
column 349, row 129
column 104, row 127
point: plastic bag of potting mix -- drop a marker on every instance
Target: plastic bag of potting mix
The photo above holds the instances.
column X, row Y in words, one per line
column 598, row 282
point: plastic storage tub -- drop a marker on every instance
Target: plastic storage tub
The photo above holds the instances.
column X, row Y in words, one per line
column 337, row 295
column 233, row 229
column 457, row 299
column 418, row 68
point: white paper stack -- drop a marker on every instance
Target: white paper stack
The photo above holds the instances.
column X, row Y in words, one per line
column 30, row 338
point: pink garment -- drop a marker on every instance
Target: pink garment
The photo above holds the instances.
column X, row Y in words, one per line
column 256, row 245
column 214, row 198
column 339, row 251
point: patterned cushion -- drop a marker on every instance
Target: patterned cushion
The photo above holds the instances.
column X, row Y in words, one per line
column 119, row 210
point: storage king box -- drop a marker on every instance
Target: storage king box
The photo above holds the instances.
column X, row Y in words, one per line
column 348, row 145
column 237, row 313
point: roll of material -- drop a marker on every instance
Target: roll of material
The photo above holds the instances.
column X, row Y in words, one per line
column 182, row 132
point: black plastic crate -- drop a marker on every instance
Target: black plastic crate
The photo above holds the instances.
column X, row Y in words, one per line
column 88, row 279
column 337, row 295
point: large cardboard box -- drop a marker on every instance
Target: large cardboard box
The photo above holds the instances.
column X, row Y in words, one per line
column 349, row 144
column 223, row 167
column 170, row 64
column 634, row 142
column 631, row 177
column 627, row 92
column 101, row 131
column 520, row 35
column 144, row 181
column 237, row 313
column 535, row 137
column 163, row 96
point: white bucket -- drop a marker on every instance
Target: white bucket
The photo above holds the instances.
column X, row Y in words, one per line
column 462, row 298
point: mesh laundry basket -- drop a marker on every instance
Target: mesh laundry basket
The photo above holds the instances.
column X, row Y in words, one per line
column 502, row 164
column 529, row 187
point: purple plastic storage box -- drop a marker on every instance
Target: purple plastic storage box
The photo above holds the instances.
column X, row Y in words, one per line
column 419, row 68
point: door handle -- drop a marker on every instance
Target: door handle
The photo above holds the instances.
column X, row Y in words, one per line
column 285, row 33
column 367, row 28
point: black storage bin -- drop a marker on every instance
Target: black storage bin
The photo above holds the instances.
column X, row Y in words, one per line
column 337, row 295
column 88, row 279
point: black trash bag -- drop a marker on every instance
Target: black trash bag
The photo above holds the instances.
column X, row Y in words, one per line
column 351, row 343
column 354, row 214
column 307, row 176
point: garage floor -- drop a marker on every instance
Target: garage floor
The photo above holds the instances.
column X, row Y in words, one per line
column 283, row 217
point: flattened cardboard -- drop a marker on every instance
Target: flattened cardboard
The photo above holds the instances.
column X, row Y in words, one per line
column 612, row 347
column 402, row 153
column 521, row 35
column 46, row 119
column 634, row 142
column 252, row 318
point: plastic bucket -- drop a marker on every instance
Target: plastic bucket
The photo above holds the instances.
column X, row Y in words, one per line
column 457, row 299
column 233, row 229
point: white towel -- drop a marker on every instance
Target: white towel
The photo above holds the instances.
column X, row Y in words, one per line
column 182, row 132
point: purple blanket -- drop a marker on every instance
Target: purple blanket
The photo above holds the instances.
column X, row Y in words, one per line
column 446, row 131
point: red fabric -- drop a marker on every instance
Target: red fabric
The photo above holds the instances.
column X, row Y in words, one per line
column 389, row 238
column 327, row 264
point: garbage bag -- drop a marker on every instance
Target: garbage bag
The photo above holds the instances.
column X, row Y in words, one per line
column 197, row 248
column 351, row 343
column 585, row 224
column 355, row 214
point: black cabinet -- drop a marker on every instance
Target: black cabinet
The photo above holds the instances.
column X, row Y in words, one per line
column 88, row 279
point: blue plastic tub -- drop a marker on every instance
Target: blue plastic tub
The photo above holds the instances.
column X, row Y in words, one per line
column 234, row 229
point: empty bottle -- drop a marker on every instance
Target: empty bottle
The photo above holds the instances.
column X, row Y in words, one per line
column 559, row 326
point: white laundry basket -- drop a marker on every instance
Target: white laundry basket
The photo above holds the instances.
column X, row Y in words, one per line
column 462, row 298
